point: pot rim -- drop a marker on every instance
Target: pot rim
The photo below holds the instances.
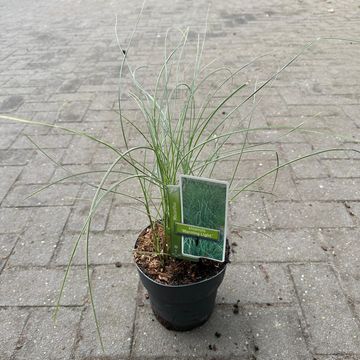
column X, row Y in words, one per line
column 181, row 285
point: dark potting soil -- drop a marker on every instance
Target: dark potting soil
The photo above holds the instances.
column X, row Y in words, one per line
column 169, row 270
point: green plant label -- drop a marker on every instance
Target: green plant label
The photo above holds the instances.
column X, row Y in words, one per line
column 174, row 216
column 203, row 217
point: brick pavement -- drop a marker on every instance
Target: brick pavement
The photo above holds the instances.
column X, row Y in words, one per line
column 295, row 268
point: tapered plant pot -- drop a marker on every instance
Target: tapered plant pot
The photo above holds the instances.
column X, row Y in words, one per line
column 182, row 307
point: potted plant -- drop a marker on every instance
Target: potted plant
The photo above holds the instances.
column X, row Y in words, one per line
column 185, row 132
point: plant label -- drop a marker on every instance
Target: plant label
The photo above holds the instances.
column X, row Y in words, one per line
column 173, row 192
column 203, row 217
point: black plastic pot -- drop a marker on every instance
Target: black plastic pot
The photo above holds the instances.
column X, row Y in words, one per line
column 182, row 307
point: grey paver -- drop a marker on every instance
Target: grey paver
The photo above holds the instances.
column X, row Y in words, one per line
column 126, row 217
column 104, row 248
column 101, row 115
column 15, row 157
column 277, row 333
column 8, row 176
column 331, row 324
column 70, row 85
column 248, row 211
column 9, row 103
column 37, row 243
column 13, row 220
column 82, row 208
column 45, row 339
column 57, row 195
column 325, row 189
column 257, row 283
column 78, row 154
column 336, row 357
column 280, row 245
column 43, row 141
column 73, row 112
column 342, row 246
column 12, row 322
column 234, row 340
column 308, row 215
column 41, row 286
column 40, row 169
column 353, row 112
column 6, row 140
column 115, row 291
column 354, row 210
column 309, row 168
column 40, row 106
column 7, row 242
column 343, row 168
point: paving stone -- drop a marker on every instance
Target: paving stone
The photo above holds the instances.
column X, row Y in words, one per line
column 41, row 286
column 115, row 291
column 73, row 112
column 43, row 141
column 8, row 127
column 296, row 96
column 342, row 245
column 233, row 343
column 76, row 154
column 285, row 187
column 45, row 339
column 353, row 112
column 277, row 334
column 7, row 242
column 104, row 101
column 343, row 168
column 276, row 246
column 260, row 283
column 81, row 211
column 8, row 176
column 40, row 106
column 40, row 169
column 248, row 211
column 127, row 217
column 104, row 156
column 336, row 357
column 354, row 211
column 39, row 240
column 104, row 248
column 15, row 157
column 101, row 115
column 6, row 140
column 70, row 85
column 12, row 321
column 10, row 103
column 247, row 169
column 329, row 189
column 13, row 220
column 309, row 168
column 332, row 326
column 308, row 215
column 70, row 97
column 56, row 195
column 273, row 105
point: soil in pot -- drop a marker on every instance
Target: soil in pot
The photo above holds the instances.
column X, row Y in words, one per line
column 169, row 270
